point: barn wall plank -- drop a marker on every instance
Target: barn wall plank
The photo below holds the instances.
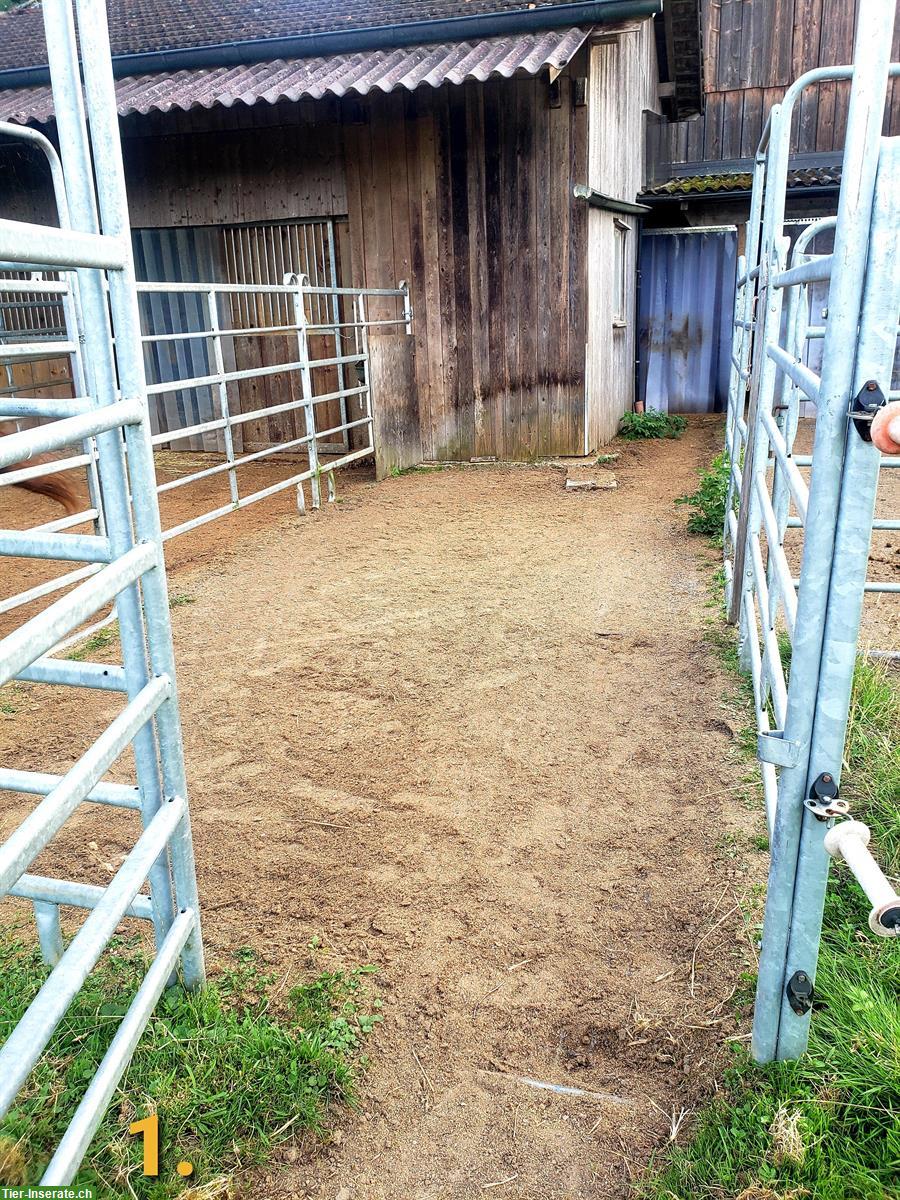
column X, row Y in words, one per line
column 395, row 402
column 494, row 253
column 622, row 86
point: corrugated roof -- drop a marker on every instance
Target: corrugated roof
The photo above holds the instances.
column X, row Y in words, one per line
column 734, row 181
column 332, row 75
column 141, row 26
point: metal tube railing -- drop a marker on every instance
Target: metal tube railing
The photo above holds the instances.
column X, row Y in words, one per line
column 22, row 846
column 25, row 1044
column 62, row 1167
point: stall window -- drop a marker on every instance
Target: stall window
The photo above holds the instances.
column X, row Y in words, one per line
column 620, row 274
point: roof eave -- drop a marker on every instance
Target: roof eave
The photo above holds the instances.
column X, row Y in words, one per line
column 375, row 37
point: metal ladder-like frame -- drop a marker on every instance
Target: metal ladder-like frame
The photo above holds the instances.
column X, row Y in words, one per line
column 802, row 715
column 95, row 253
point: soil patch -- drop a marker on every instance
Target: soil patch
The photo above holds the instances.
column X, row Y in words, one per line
column 463, row 725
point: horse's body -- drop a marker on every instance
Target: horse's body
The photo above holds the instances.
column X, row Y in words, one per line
column 56, row 487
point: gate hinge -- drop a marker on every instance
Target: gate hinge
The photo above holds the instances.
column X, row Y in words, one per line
column 801, row 994
column 773, row 747
column 823, row 800
column 866, row 404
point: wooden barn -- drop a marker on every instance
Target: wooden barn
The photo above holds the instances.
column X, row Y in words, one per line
column 697, row 191
column 490, row 152
column 699, row 166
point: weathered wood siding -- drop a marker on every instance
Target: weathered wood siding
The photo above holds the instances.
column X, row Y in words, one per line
column 467, row 193
column 207, row 167
column 395, row 401
column 623, row 85
column 753, row 49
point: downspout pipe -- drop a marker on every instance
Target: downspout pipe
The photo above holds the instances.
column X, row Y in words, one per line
column 349, row 41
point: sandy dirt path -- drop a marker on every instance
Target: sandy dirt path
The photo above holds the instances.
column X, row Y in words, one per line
column 465, row 726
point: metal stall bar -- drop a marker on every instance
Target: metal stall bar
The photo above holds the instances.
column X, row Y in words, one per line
column 127, row 567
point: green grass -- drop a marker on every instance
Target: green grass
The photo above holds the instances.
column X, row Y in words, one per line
column 709, row 500
column 230, row 1071
column 101, row 640
column 828, row 1126
column 651, row 424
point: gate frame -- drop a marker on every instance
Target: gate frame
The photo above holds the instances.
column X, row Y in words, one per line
column 801, row 756
column 128, row 567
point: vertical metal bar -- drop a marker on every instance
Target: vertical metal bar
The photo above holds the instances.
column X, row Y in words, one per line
column 101, row 107
column 212, row 310
column 309, row 410
column 46, row 917
column 365, row 382
column 768, row 316
column 336, row 317
column 867, row 98
column 101, row 377
column 856, row 510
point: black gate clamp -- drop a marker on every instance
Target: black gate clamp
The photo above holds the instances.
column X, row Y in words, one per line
column 866, row 404
column 823, row 800
column 800, row 993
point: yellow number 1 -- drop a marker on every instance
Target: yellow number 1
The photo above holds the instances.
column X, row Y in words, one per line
column 149, row 1127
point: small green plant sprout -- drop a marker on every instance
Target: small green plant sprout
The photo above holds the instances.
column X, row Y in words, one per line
column 102, row 639
column 709, row 500
column 652, row 424
column 179, row 599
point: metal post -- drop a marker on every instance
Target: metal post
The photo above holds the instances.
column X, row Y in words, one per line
column 46, row 918
column 336, row 317
column 212, row 309
column 309, row 410
column 101, row 105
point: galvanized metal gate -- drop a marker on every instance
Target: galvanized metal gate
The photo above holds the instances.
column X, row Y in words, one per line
column 802, row 711
column 92, row 250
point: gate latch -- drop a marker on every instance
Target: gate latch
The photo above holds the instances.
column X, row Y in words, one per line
column 866, row 404
column 800, row 993
column 823, row 801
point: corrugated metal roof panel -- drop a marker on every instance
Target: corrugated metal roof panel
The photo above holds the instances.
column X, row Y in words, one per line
column 332, row 75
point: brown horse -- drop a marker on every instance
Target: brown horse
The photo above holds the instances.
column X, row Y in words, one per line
column 56, row 487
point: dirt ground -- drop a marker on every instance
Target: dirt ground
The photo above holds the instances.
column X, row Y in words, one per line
column 880, row 628
column 464, row 726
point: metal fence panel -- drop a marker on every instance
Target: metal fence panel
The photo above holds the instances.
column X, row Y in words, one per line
column 93, row 247
column 802, row 707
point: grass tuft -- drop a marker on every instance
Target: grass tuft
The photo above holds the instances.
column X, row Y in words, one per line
column 101, row 640
column 13, row 1164
column 229, row 1075
column 651, row 424
column 709, row 501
